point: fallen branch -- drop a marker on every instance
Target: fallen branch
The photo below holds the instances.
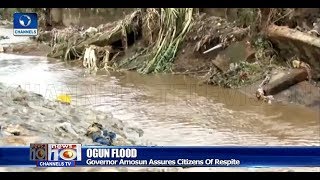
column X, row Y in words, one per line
column 280, row 32
column 293, row 77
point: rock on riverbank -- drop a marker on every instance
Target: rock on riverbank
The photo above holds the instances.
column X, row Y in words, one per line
column 29, row 118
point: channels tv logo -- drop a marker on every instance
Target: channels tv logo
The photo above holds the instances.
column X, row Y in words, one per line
column 55, row 152
column 25, row 24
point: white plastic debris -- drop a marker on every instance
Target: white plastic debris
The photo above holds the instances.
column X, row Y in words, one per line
column 90, row 59
column 91, row 30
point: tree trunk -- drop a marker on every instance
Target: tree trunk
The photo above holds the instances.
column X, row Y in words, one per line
column 293, row 77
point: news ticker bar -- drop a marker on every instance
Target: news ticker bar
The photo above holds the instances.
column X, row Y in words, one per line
column 159, row 156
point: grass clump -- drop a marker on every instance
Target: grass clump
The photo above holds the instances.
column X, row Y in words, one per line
column 173, row 25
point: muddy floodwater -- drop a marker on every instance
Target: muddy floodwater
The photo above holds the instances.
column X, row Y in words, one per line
column 171, row 109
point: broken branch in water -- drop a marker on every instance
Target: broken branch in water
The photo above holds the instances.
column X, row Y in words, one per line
column 290, row 78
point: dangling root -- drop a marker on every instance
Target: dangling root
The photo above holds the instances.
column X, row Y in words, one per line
column 90, row 59
column 106, row 60
column 124, row 38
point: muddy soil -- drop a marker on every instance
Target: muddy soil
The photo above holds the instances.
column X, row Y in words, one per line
column 207, row 32
column 29, row 49
column 21, row 45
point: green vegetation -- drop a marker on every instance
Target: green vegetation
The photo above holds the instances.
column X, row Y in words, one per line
column 173, row 25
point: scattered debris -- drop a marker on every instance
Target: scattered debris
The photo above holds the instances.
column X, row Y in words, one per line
column 4, row 37
column 98, row 135
column 214, row 32
column 15, row 130
column 213, row 48
column 64, row 99
column 236, row 75
column 301, row 64
column 90, row 58
column 18, row 94
column 66, row 127
column 90, row 31
column 53, row 122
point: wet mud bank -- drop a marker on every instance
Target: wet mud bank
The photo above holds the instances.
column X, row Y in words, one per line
column 27, row 49
column 20, row 45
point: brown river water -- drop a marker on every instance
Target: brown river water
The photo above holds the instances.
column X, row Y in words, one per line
column 171, row 109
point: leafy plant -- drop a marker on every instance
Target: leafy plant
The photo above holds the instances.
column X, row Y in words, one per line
column 173, row 26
